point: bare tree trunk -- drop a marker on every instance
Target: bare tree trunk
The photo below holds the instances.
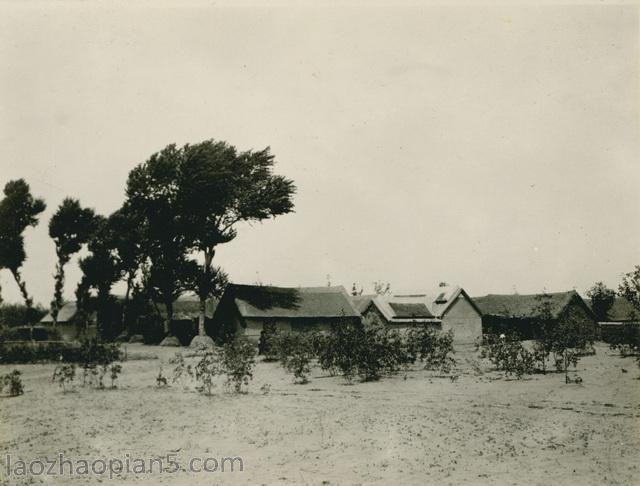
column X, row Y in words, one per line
column 125, row 305
column 23, row 289
column 169, row 318
column 56, row 304
column 202, row 294
column 202, row 317
column 28, row 301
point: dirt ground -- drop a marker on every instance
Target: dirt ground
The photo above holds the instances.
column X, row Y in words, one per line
column 414, row 428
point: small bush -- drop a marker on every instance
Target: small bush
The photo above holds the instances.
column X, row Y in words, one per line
column 64, row 375
column 14, row 382
column 509, row 355
column 205, row 371
column 295, row 351
column 627, row 340
column 432, row 347
column 367, row 350
column 267, row 346
column 237, row 363
column 161, row 380
column 182, row 369
column 114, row 372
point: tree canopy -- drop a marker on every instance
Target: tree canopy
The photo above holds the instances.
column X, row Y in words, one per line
column 18, row 211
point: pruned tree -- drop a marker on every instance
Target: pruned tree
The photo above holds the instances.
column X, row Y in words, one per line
column 18, row 211
column 220, row 188
column 602, row 299
column 70, row 227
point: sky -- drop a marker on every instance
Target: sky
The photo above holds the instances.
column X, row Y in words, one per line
column 491, row 147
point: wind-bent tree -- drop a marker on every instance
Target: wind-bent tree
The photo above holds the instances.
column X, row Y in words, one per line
column 152, row 195
column 191, row 199
column 18, row 210
column 602, row 299
column 70, row 228
column 219, row 188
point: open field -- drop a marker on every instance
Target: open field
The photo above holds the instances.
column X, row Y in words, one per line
column 420, row 429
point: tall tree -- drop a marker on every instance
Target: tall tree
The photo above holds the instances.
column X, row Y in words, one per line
column 219, row 188
column 18, row 211
column 602, row 299
column 126, row 238
column 70, row 228
column 100, row 270
column 152, row 195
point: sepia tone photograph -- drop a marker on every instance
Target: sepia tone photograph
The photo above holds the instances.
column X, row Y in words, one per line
column 319, row 243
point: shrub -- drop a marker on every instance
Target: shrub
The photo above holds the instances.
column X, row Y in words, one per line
column 627, row 340
column 568, row 339
column 338, row 353
column 14, row 382
column 64, row 375
column 295, row 351
column 237, row 362
column 367, row 350
column 88, row 351
column 114, row 372
column 432, row 347
column 267, row 344
column 161, row 380
column 509, row 355
column 205, row 371
column 181, row 369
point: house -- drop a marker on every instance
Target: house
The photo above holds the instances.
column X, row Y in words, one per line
column 521, row 313
column 245, row 309
column 448, row 308
column 68, row 326
column 621, row 315
column 397, row 312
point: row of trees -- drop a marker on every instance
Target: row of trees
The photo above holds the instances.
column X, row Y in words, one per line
column 180, row 205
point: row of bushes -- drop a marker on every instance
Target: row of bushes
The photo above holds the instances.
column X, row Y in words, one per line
column 86, row 352
column 366, row 350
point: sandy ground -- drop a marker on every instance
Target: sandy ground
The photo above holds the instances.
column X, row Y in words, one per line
column 417, row 428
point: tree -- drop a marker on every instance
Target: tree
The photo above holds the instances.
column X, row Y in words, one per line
column 568, row 337
column 602, row 299
column 100, row 270
column 381, row 288
column 630, row 287
column 126, row 240
column 544, row 325
column 70, row 227
column 153, row 197
column 18, row 210
column 218, row 189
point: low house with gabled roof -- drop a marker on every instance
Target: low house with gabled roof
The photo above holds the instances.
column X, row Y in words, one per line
column 521, row 314
column 447, row 308
column 69, row 326
column 620, row 316
column 246, row 309
column 399, row 313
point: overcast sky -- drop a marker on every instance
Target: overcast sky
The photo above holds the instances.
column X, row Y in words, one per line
column 495, row 148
